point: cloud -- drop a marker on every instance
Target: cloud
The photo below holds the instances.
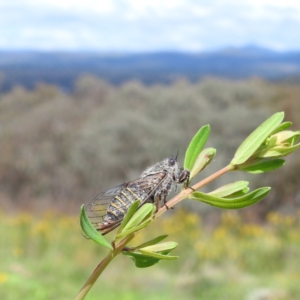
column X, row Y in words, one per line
column 145, row 25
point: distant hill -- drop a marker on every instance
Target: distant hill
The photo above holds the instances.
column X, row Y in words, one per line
column 63, row 68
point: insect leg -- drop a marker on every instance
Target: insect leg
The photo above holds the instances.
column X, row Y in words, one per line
column 157, row 200
column 165, row 194
column 184, row 178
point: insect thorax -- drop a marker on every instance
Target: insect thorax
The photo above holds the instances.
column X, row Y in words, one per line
column 154, row 185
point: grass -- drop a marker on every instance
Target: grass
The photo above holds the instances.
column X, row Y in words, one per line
column 46, row 257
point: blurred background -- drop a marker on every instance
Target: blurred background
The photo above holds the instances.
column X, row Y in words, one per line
column 92, row 93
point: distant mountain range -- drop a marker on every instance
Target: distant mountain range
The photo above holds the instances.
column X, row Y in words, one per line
column 63, row 68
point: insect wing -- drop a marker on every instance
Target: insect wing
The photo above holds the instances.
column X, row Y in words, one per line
column 97, row 208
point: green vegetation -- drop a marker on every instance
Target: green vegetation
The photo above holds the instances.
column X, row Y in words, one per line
column 46, row 257
column 260, row 152
column 57, row 150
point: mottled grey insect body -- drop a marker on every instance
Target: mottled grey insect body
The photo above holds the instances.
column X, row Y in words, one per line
column 108, row 208
column 170, row 173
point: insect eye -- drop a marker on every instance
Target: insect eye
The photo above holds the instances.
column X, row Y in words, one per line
column 171, row 161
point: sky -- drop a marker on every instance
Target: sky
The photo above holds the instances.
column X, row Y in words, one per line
column 148, row 25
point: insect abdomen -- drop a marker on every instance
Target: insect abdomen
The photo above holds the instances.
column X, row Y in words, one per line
column 121, row 203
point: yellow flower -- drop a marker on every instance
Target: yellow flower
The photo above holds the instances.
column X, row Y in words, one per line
column 230, row 219
column 18, row 252
column 252, row 230
column 289, row 220
column 220, row 233
column 274, row 218
column 41, row 228
column 3, row 277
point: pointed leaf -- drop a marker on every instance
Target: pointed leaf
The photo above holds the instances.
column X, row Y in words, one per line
column 232, row 203
column 256, row 138
column 158, row 255
column 126, row 232
column 141, row 261
column 279, row 151
column 203, row 159
column 282, row 126
column 264, row 166
column 152, row 242
column 195, row 146
column 286, row 137
column 238, row 194
column 293, row 140
column 144, row 260
column 132, row 209
column 143, row 213
column 229, row 189
column 166, row 246
column 90, row 230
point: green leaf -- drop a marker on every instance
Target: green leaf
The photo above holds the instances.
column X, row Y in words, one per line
column 195, row 146
column 158, row 255
column 143, row 213
column 229, row 189
column 279, row 151
column 141, row 261
column 232, row 203
column 286, row 137
column 256, row 138
column 282, row 126
column 132, row 209
column 138, row 221
column 239, row 193
column 152, row 242
column 126, row 232
column 144, row 259
column 264, row 166
column 166, row 246
column 293, row 140
column 203, row 159
column 90, row 230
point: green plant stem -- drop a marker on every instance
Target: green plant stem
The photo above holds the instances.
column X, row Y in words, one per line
column 97, row 272
column 184, row 193
column 113, row 253
column 101, row 267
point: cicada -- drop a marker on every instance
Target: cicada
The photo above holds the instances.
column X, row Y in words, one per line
column 107, row 209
